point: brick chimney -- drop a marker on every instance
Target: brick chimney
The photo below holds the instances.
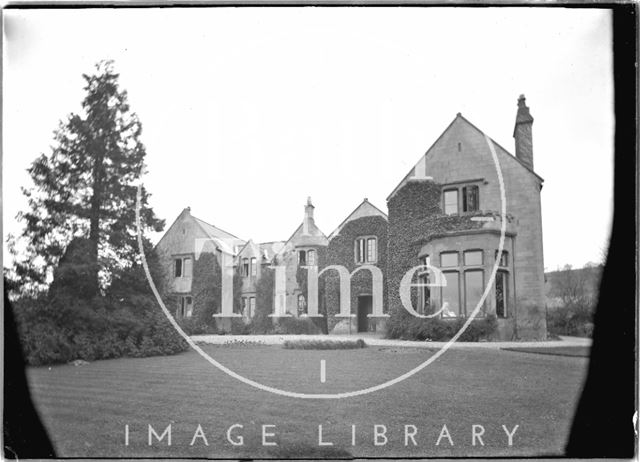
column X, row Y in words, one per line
column 522, row 133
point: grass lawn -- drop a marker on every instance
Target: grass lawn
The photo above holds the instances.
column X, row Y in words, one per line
column 85, row 408
column 581, row 351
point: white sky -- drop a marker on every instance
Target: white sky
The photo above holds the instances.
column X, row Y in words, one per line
column 247, row 111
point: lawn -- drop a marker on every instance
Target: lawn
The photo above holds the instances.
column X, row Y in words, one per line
column 86, row 408
column 581, row 351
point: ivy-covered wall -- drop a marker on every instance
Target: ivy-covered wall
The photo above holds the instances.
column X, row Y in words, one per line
column 341, row 251
column 416, row 218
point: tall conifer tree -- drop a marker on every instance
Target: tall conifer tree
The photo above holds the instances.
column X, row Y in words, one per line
column 86, row 186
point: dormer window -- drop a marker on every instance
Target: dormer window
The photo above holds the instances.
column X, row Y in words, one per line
column 245, row 267
column 254, row 267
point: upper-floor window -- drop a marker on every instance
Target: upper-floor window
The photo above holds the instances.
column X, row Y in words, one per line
column 302, row 257
column 366, row 250
column 311, row 258
column 182, row 267
column 451, row 202
column 470, row 198
column 254, row 267
column 245, row 267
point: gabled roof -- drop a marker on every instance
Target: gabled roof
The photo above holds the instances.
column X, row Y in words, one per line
column 213, row 230
column 268, row 250
column 365, row 209
column 460, row 117
column 265, row 250
column 224, row 240
column 227, row 242
column 311, row 236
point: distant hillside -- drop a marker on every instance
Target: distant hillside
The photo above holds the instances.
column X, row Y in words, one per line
column 572, row 285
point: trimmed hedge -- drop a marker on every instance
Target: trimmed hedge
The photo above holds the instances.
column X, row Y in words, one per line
column 324, row 344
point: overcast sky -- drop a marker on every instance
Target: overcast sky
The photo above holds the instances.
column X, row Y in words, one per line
column 247, row 111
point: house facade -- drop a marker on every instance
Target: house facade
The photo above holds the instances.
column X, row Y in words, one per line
column 445, row 213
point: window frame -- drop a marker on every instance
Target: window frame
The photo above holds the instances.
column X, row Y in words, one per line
column 464, row 255
column 301, row 309
column 182, row 259
column 302, row 261
column 460, row 306
column 483, row 310
column 461, row 200
column 505, row 254
column 465, row 203
column 253, row 266
column 501, row 273
column 364, row 251
column 183, row 311
column 444, row 201
column 252, row 306
column 450, row 252
column 311, row 252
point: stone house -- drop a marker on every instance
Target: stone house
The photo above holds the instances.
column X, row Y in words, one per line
column 445, row 213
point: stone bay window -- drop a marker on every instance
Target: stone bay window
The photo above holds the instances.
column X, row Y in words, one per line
column 464, row 283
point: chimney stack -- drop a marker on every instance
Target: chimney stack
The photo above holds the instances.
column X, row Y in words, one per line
column 522, row 134
column 308, row 215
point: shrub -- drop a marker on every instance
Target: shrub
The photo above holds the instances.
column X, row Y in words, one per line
column 62, row 326
column 407, row 327
column 571, row 319
column 324, row 344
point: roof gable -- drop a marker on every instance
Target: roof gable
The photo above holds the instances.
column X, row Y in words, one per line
column 459, row 128
column 199, row 231
column 365, row 209
column 309, row 236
